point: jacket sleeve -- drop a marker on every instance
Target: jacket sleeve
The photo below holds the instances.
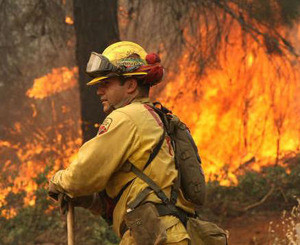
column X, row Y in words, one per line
column 100, row 157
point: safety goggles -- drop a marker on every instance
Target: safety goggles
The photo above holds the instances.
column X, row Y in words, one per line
column 99, row 65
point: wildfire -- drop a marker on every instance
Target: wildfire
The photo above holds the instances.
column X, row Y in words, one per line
column 246, row 113
column 59, row 80
column 41, row 140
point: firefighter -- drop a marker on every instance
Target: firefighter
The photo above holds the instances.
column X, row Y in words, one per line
column 99, row 178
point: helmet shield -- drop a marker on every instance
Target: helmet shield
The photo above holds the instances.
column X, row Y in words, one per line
column 99, row 65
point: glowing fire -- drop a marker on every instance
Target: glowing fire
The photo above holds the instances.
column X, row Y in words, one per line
column 247, row 112
column 59, row 80
column 41, row 139
column 69, row 20
column 34, row 157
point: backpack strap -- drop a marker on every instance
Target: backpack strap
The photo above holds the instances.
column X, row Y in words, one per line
column 156, row 149
column 165, row 208
column 128, row 166
column 175, row 190
column 163, row 113
column 152, row 185
column 141, row 196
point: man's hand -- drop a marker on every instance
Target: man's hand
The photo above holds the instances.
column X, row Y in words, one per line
column 83, row 201
column 59, row 197
column 52, row 191
column 91, row 202
column 94, row 203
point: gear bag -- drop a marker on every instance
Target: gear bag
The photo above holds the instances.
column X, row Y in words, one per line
column 205, row 233
column 145, row 225
column 190, row 174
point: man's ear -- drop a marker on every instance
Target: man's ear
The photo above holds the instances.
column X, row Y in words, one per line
column 132, row 85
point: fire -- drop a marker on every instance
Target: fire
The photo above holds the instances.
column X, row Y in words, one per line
column 49, row 137
column 59, row 80
column 33, row 158
column 69, row 20
column 246, row 113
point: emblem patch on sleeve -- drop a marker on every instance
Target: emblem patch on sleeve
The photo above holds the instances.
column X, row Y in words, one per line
column 105, row 126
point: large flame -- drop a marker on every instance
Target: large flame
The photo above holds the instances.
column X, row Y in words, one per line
column 49, row 137
column 246, row 112
column 58, row 80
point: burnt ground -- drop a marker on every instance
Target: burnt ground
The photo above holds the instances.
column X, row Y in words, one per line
column 254, row 229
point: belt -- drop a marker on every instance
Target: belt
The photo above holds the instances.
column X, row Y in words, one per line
column 164, row 210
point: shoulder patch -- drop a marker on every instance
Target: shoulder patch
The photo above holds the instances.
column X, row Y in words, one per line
column 105, row 125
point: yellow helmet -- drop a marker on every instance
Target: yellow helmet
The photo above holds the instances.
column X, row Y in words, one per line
column 121, row 58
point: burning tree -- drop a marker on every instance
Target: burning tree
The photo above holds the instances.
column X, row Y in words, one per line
column 232, row 75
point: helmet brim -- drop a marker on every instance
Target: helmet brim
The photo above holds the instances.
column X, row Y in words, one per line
column 99, row 79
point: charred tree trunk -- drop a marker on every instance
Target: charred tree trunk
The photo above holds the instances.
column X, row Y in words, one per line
column 96, row 26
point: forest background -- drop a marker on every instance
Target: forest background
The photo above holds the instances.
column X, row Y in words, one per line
column 232, row 75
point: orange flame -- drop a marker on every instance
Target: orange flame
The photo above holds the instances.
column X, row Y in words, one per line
column 69, row 20
column 33, row 157
column 49, row 139
column 245, row 113
column 59, row 80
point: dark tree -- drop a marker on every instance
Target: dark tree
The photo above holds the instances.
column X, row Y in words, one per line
column 96, row 26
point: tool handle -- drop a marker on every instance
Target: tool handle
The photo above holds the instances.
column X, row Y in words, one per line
column 70, row 224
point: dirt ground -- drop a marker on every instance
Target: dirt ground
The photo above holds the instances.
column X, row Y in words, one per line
column 253, row 229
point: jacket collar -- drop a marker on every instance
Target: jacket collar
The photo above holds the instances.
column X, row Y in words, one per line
column 143, row 100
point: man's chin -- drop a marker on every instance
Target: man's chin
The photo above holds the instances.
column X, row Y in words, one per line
column 107, row 108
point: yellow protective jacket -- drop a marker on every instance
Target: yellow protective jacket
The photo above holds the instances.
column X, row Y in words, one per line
column 128, row 133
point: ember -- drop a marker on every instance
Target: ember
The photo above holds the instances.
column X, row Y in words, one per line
column 69, row 20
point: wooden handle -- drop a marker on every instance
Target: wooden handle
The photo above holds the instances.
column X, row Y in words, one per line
column 70, row 224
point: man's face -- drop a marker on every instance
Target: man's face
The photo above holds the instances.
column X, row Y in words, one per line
column 111, row 93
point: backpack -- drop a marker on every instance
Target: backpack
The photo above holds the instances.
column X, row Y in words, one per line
column 190, row 177
column 187, row 160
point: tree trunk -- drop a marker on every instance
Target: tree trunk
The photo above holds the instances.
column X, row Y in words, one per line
column 96, row 26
